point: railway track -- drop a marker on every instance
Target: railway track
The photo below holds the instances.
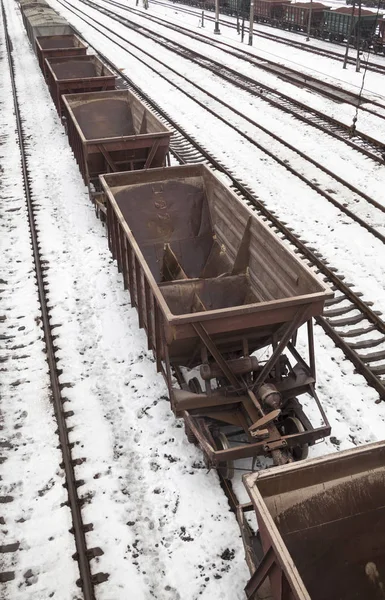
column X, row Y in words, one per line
column 87, row 579
column 363, row 143
column 346, row 310
column 371, row 66
column 291, row 75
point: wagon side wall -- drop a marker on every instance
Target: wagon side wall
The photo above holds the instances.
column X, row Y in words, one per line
column 273, row 270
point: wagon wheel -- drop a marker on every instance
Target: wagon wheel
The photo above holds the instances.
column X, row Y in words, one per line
column 225, row 469
column 190, row 435
column 293, row 425
column 195, row 386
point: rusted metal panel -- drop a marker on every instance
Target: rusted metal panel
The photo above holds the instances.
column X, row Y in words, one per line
column 113, row 131
column 77, row 74
column 297, row 15
column 269, row 9
column 324, row 523
column 58, row 46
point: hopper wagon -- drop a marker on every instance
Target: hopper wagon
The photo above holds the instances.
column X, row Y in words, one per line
column 320, row 528
column 296, row 16
column 76, row 74
column 111, row 132
column 269, row 11
column 213, row 285
column 58, row 46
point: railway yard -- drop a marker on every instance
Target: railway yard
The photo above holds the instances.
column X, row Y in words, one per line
column 103, row 495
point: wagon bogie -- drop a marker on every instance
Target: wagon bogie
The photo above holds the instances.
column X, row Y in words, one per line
column 213, row 285
column 113, row 131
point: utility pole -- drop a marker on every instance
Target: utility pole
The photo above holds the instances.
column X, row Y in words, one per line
column 216, row 27
column 349, row 36
column 358, row 37
column 309, row 21
column 251, row 24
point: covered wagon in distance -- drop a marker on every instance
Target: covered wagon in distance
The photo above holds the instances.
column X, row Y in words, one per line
column 269, row 11
column 321, row 528
column 113, row 131
column 212, row 285
column 43, row 20
column 345, row 23
column 296, row 16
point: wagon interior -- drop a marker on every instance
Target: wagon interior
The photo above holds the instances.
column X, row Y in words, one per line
column 202, row 256
column 80, row 67
column 114, row 131
column 330, row 515
column 56, row 42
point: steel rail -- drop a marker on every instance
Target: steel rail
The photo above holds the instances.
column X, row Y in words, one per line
column 68, row 463
column 375, row 67
column 369, row 146
column 283, row 71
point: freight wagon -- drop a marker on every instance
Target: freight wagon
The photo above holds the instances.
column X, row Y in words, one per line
column 297, row 16
column 58, row 46
column 341, row 24
column 213, row 285
column 113, row 131
column 320, row 528
column 42, row 21
column 74, row 74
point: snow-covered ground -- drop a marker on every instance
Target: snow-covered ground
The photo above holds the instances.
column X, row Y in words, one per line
column 30, row 473
column 161, row 520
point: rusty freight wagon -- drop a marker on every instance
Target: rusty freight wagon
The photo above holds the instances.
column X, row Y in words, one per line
column 58, row 46
column 77, row 74
column 341, row 24
column 321, row 528
column 213, row 285
column 296, row 16
column 269, row 11
column 113, row 131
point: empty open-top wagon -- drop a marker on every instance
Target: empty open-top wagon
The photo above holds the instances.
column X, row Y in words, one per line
column 212, row 285
column 58, row 46
column 76, row 74
column 113, row 131
column 321, row 528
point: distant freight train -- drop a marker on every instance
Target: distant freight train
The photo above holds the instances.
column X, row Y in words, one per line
column 326, row 23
